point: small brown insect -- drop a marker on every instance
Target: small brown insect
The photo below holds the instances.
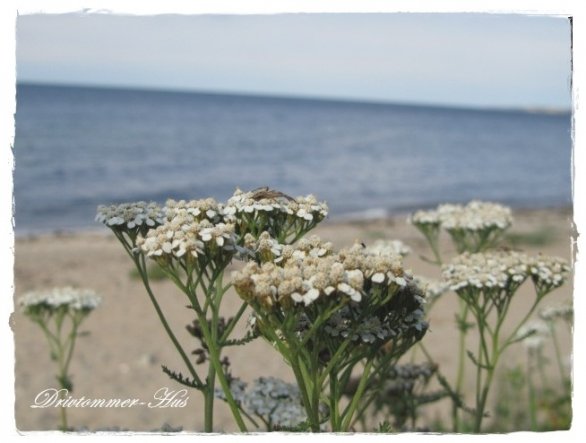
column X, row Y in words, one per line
column 265, row 192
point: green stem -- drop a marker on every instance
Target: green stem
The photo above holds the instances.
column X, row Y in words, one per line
column 53, row 341
column 532, row 399
column 215, row 367
column 209, row 400
column 142, row 270
column 214, row 355
column 490, row 361
column 513, row 335
column 232, row 323
column 311, row 386
column 461, row 362
column 479, row 411
column 334, row 399
column 351, row 408
column 211, row 379
column 316, row 387
column 63, row 414
column 305, row 397
column 360, row 413
column 215, row 361
column 63, row 377
column 558, row 355
column 481, row 406
column 334, row 360
column 139, row 262
column 541, row 362
column 72, row 339
column 306, row 384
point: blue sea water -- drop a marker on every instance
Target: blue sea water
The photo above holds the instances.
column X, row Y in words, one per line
column 78, row 147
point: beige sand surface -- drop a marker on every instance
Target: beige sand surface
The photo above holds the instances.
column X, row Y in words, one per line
column 121, row 356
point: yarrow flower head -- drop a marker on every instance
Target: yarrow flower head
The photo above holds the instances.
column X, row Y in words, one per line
column 368, row 298
column 473, row 227
column 194, row 210
column 182, row 236
column 134, row 217
column 561, row 312
column 490, row 270
column 422, row 218
column 309, row 271
column 380, row 269
column 548, row 272
column 475, row 216
column 193, row 233
column 284, row 218
column 533, row 334
column 63, row 299
column 499, row 273
column 306, row 247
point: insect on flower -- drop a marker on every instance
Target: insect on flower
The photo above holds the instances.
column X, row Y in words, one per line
column 266, row 192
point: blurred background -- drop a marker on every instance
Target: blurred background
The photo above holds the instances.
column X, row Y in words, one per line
column 375, row 113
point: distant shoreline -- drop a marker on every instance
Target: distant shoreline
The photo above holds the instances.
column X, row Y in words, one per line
column 545, row 110
column 366, row 217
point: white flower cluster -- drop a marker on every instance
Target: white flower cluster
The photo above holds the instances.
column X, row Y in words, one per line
column 424, row 218
column 131, row 215
column 533, row 334
column 475, row 216
column 548, row 272
column 275, row 401
column 197, row 210
column 190, row 227
column 299, row 281
column 266, row 248
column 552, row 313
column 267, row 201
column 380, row 269
column 310, row 270
column 183, row 235
column 504, row 270
column 491, row 270
column 245, row 214
column 388, row 247
column 75, row 299
column 306, row 247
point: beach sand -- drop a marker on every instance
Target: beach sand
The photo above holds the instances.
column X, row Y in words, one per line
column 126, row 346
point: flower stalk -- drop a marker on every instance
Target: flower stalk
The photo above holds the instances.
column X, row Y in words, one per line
column 487, row 283
column 59, row 313
column 193, row 242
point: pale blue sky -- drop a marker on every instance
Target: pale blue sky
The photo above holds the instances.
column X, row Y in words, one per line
column 481, row 60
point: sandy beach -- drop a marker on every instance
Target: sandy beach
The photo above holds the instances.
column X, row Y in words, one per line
column 126, row 345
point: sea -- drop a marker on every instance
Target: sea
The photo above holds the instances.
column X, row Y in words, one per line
column 78, row 147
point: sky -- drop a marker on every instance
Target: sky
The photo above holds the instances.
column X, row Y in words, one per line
column 478, row 60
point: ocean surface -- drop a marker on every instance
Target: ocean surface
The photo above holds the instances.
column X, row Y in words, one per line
column 78, row 147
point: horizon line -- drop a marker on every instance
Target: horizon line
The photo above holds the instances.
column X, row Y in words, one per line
column 554, row 110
